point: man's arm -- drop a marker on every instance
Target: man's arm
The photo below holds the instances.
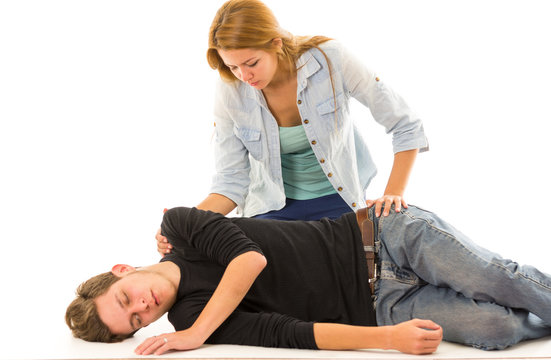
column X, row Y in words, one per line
column 213, row 234
column 234, row 285
column 412, row 337
column 239, row 276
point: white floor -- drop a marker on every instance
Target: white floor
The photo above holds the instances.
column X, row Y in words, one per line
column 61, row 345
column 104, row 126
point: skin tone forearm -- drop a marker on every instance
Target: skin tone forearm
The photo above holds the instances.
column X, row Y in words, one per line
column 397, row 182
column 239, row 276
column 234, row 285
column 214, row 202
column 217, row 203
column 412, row 337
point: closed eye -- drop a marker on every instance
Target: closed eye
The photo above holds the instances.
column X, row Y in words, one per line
column 137, row 323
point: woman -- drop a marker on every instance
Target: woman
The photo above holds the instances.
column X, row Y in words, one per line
column 285, row 145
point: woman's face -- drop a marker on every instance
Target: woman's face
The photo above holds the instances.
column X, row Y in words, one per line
column 254, row 67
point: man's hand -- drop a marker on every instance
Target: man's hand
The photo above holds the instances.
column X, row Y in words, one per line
column 180, row 340
column 415, row 337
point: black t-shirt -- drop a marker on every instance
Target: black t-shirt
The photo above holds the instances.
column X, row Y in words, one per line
column 316, row 272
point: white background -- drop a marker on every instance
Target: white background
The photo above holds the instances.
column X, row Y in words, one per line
column 105, row 113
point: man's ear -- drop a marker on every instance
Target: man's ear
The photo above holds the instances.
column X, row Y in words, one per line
column 121, row 270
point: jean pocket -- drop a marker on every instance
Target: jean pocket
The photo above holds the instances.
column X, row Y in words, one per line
column 390, row 271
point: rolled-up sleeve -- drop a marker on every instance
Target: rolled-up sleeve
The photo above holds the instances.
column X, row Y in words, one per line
column 265, row 329
column 232, row 165
column 387, row 107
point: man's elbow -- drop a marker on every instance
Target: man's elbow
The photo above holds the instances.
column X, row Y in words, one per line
column 260, row 261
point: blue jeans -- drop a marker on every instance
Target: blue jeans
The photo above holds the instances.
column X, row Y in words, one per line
column 430, row 270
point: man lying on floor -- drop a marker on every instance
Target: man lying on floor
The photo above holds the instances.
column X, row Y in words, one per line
column 306, row 285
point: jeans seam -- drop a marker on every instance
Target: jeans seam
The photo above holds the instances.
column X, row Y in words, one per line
column 445, row 233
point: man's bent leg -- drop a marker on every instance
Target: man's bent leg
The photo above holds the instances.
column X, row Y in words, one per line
column 480, row 324
column 419, row 242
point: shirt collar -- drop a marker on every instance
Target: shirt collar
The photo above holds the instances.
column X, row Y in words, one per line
column 307, row 66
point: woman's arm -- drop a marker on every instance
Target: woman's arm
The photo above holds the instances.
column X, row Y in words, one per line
column 239, row 276
column 397, row 182
column 412, row 337
column 217, row 203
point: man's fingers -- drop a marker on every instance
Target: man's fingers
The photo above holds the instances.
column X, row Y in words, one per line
column 144, row 345
column 162, row 349
column 426, row 324
column 155, row 346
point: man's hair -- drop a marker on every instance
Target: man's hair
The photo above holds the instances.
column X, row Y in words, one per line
column 82, row 315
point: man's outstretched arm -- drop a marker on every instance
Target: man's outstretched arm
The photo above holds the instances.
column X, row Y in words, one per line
column 412, row 337
column 238, row 278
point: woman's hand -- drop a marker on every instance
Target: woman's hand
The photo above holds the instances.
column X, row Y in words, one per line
column 415, row 337
column 387, row 201
column 180, row 340
column 163, row 246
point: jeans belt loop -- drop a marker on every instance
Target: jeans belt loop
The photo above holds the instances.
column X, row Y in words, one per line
column 368, row 239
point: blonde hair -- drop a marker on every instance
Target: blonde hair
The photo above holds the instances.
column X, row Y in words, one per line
column 250, row 24
column 82, row 314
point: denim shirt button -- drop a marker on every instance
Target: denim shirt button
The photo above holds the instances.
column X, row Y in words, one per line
column 314, row 142
column 340, row 188
column 306, row 121
column 322, row 161
column 353, row 204
column 299, row 102
column 330, row 175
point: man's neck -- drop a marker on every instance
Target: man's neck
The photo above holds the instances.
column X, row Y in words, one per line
column 167, row 269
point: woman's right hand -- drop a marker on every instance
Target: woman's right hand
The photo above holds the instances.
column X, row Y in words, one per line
column 163, row 247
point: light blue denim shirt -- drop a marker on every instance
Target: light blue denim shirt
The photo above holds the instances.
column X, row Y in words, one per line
column 247, row 150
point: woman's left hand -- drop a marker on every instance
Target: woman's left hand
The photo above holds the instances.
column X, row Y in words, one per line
column 387, row 201
column 180, row 340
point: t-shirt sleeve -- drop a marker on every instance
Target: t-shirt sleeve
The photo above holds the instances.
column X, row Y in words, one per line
column 265, row 329
column 213, row 234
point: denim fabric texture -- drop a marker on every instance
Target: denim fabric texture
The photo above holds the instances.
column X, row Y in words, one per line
column 247, row 148
column 430, row 270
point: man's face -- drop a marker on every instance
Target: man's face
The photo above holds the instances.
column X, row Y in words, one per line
column 135, row 301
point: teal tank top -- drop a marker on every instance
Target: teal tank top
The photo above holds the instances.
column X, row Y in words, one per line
column 303, row 177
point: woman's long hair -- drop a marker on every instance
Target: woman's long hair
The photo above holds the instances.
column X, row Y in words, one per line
column 250, row 24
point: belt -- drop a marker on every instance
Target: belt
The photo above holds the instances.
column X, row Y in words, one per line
column 368, row 239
